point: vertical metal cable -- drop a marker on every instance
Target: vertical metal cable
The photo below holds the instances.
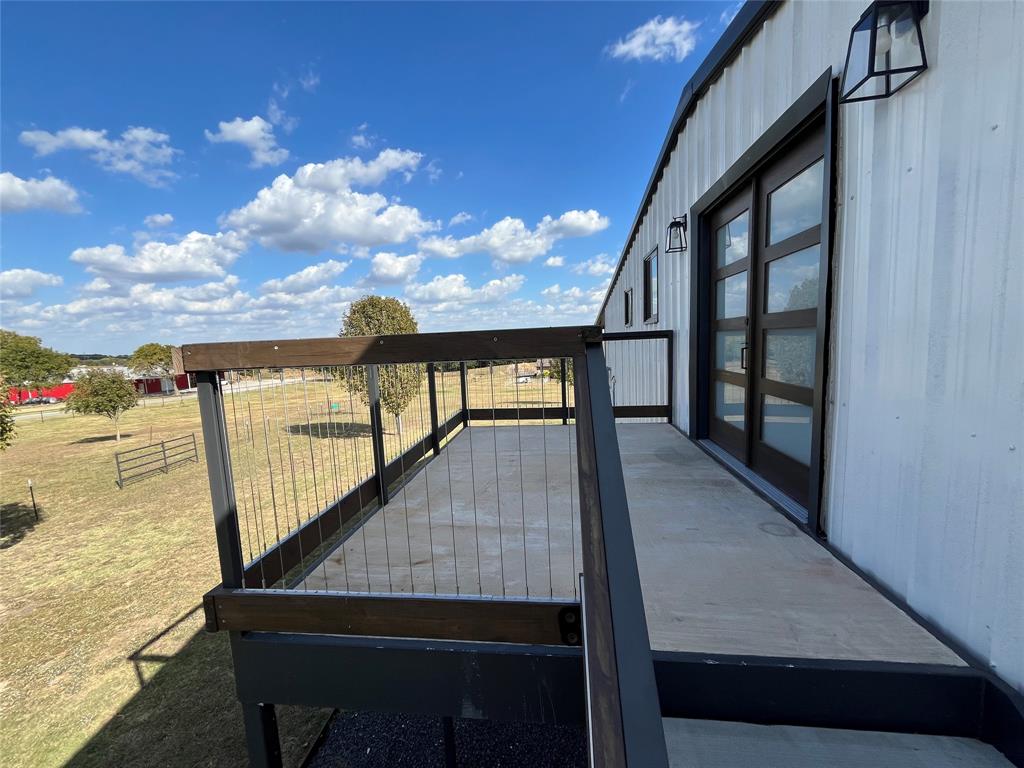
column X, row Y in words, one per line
column 405, row 496
column 334, row 469
column 451, row 497
column 270, row 469
column 254, row 488
column 239, row 442
column 312, row 465
column 522, row 484
column 291, row 465
column 359, row 482
column 472, row 479
column 572, row 514
column 426, row 482
column 497, row 480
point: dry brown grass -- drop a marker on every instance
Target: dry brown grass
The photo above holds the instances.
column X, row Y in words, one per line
column 102, row 660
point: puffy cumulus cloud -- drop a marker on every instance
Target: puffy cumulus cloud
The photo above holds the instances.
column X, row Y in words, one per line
column 158, row 220
column 599, row 266
column 658, row 39
column 392, row 268
column 460, row 218
column 307, row 279
column 317, row 209
column 17, row 194
column 362, row 138
column 256, row 135
column 197, row 255
column 575, row 301
column 554, row 261
column 511, row 241
column 453, row 290
column 143, row 153
column 20, row 283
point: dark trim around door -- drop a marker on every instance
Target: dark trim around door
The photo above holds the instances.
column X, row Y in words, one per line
column 819, row 100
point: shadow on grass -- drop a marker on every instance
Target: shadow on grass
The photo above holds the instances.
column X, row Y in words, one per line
column 16, row 520
column 99, row 439
column 186, row 713
column 325, row 429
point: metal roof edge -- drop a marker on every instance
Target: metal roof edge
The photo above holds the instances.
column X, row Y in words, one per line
column 746, row 22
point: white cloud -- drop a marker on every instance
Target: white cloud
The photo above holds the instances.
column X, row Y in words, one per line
column 280, row 118
column 600, row 265
column 98, row 285
column 307, row 279
column 158, row 220
column 256, row 134
column 554, row 261
column 511, row 241
column 17, row 194
column 392, row 268
column 451, row 290
column 552, row 290
column 434, row 171
column 460, row 218
column 196, row 255
column 626, row 89
column 19, row 283
column 658, row 39
column 362, row 138
column 140, row 152
column 317, row 208
column 309, row 81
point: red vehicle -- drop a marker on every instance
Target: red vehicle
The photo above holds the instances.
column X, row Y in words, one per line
column 20, row 396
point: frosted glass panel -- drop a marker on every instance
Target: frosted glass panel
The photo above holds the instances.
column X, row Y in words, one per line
column 731, row 241
column 796, row 205
column 789, row 356
column 731, row 296
column 729, row 400
column 727, row 349
column 786, row 427
column 793, row 281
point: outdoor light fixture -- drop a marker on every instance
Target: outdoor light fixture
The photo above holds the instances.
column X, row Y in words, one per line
column 676, row 239
column 886, row 50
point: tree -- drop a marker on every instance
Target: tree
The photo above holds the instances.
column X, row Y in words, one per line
column 560, row 371
column 7, row 426
column 25, row 362
column 384, row 316
column 152, row 358
column 105, row 394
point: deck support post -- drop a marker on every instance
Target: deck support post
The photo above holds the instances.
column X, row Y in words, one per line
column 261, row 737
column 565, row 391
column 435, row 440
column 377, row 432
column 463, row 385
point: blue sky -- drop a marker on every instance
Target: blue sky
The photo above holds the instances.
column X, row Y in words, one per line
column 196, row 172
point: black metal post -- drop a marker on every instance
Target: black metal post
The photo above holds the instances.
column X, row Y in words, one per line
column 32, row 493
column 261, row 735
column 565, row 391
column 163, row 449
column 260, row 721
column 377, row 432
column 450, row 756
column 463, row 385
column 435, row 440
column 625, row 727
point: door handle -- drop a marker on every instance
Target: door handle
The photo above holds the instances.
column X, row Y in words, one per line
column 743, row 358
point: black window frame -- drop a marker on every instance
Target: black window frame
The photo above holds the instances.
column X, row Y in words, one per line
column 651, row 287
column 627, row 307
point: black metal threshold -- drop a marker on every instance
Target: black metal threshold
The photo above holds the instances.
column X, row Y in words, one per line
column 755, row 482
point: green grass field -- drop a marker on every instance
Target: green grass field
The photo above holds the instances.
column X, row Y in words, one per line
column 102, row 656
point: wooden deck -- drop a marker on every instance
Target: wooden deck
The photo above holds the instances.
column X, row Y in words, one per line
column 722, row 571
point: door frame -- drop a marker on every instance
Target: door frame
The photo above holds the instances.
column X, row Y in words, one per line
column 821, row 99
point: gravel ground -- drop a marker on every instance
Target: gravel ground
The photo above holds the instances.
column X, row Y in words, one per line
column 374, row 740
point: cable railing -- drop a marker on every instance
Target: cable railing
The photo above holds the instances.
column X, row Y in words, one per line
column 460, row 486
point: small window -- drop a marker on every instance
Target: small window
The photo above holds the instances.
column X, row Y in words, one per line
column 627, row 307
column 651, row 287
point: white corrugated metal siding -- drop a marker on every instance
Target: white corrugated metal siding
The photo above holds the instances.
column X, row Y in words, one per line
column 925, row 450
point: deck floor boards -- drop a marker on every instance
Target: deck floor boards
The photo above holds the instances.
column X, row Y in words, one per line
column 722, row 571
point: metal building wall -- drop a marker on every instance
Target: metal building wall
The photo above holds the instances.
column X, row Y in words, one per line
column 924, row 482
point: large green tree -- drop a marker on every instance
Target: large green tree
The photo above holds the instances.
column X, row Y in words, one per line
column 153, row 359
column 103, row 393
column 384, row 316
column 26, row 363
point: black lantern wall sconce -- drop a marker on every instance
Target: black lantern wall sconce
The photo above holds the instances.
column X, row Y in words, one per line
column 675, row 239
column 886, row 50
